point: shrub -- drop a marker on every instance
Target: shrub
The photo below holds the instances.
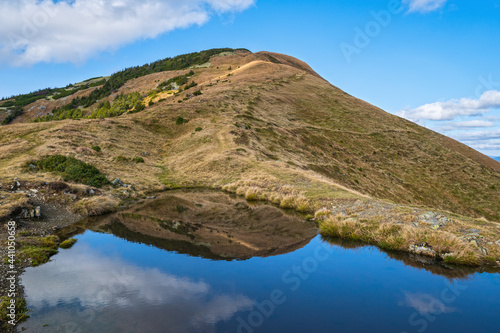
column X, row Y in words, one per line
column 180, row 121
column 15, row 113
column 72, row 169
column 198, row 129
column 191, row 85
column 197, row 93
column 138, row 107
column 96, row 148
column 138, row 160
column 151, row 103
column 121, row 158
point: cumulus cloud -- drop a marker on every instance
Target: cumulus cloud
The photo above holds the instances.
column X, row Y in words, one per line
column 424, row 6
column 425, row 304
column 110, row 287
column 454, row 108
column 34, row 31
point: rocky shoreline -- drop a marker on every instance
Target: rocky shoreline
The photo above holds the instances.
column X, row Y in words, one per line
column 36, row 219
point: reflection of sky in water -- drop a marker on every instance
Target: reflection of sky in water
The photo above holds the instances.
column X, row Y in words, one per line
column 83, row 278
column 106, row 284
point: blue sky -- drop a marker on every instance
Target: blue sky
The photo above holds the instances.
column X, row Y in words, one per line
column 435, row 62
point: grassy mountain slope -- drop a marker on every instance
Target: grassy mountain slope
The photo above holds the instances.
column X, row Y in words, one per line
column 267, row 126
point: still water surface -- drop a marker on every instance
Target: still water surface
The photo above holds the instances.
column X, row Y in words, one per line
column 107, row 283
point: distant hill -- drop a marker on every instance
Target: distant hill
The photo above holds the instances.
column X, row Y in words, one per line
column 262, row 120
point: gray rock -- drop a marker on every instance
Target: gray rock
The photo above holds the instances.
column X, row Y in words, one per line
column 91, row 192
column 427, row 216
column 32, row 166
column 445, row 220
column 483, row 251
column 117, row 181
column 423, row 249
column 38, row 211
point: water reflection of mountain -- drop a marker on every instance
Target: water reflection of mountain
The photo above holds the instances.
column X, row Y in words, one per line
column 207, row 224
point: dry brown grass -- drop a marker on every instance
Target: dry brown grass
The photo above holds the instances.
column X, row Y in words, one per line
column 11, row 203
column 95, row 206
column 397, row 237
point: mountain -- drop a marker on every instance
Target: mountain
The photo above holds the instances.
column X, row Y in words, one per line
column 263, row 125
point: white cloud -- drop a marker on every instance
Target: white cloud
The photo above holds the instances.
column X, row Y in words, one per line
column 425, row 304
column 424, row 6
column 480, row 135
column 475, row 123
column 34, row 31
column 454, row 108
column 108, row 285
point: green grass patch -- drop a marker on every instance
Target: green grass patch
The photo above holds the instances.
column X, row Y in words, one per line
column 72, row 169
column 68, row 243
column 21, row 312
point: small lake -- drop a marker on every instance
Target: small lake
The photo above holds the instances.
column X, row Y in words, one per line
column 150, row 270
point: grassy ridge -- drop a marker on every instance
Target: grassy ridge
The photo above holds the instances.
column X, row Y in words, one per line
column 118, row 79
